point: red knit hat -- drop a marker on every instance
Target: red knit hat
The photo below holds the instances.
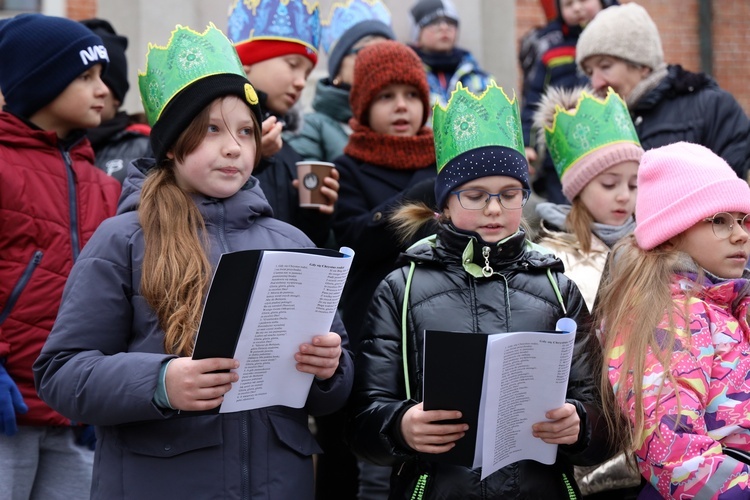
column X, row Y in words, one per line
column 382, row 64
column 255, row 51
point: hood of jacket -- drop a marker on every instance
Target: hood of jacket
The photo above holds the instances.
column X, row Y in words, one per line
column 251, row 204
column 332, row 101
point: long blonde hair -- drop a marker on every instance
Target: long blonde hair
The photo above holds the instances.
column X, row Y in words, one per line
column 176, row 272
column 634, row 297
column 578, row 223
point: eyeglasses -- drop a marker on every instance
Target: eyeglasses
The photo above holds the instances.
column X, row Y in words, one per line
column 722, row 224
column 477, row 199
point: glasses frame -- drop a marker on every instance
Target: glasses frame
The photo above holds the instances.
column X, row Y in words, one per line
column 731, row 225
column 526, row 194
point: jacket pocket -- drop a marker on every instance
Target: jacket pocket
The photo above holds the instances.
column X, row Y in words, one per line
column 171, row 437
column 20, row 285
column 291, row 428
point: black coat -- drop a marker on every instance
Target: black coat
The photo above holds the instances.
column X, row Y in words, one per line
column 275, row 175
column 446, row 296
column 367, row 197
column 691, row 107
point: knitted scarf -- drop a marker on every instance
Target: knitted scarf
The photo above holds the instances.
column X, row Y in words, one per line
column 390, row 151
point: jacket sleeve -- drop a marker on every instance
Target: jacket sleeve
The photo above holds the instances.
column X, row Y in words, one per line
column 583, row 385
column 308, row 141
column 378, row 398
column 328, row 396
column 728, row 130
column 85, row 371
column 677, row 456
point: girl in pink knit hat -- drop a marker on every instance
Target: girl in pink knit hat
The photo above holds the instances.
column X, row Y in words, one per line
column 595, row 151
column 674, row 316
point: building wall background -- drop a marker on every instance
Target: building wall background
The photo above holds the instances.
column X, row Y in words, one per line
column 490, row 29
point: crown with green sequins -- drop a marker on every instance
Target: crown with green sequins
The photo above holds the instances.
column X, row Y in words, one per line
column 592, row 125
column 472, row 121
column 188, row 57
column 477, row 136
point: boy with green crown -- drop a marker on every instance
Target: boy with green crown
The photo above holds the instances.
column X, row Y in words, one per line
column 52, row 198
column 478, row 274
column 277, row 41
column 124, row 338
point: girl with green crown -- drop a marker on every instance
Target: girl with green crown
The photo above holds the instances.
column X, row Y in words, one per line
column 596, row 152
column 130, row 312
column 478, row 274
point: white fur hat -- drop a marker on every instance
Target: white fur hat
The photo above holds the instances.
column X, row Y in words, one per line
column 623, row 31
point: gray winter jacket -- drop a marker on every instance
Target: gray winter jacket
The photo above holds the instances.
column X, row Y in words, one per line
column 102, row 360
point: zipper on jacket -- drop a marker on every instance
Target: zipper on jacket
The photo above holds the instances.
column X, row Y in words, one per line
column 244, row 457
column 75, row 242
column 21, row 284
column 569, row 487
column 222, row 227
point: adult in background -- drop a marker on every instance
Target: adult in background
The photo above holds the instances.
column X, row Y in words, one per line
column 621, row 48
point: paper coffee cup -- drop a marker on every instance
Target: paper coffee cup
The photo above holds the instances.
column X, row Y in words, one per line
column 310, row 175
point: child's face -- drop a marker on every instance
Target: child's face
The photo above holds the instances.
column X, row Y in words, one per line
column 79, row 106
column 225, row 158
column 494, row 222
column 397, row 110
column 579, row 12
column 282, row 79
column 607, row 71
column 610, row 196
column 438, row 36
column 725, row 257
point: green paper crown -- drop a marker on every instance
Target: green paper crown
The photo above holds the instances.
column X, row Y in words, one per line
column 188, row 57
column 591, row 125
column 469, row 122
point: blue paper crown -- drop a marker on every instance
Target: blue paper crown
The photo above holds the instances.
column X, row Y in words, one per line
column 344, row 15
column 286, row 20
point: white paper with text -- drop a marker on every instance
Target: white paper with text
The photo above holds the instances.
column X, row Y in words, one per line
column 295, row 298
column 526, row 375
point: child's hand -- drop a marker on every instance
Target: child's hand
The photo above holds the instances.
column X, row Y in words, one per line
column 422, row 435
column 329, row 189
column 270, row 140
column 192, row 384
column 563, row 428
column 321, row 357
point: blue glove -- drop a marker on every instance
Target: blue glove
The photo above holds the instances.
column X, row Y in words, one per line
column 11, row 403
column 85, row 436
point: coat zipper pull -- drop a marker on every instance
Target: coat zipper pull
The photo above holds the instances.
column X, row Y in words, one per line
column 486, row 270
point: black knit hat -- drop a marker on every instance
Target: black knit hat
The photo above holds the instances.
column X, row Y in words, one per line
column 189, row 102
column 116, row 76
column 40, row 56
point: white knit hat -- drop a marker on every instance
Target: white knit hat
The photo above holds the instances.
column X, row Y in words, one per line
column 623, row 31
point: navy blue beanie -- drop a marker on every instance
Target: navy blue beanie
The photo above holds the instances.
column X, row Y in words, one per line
column 350, row 37
column 40, row 56
column 116, row 76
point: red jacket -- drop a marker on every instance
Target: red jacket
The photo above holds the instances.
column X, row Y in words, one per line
column 52, row 198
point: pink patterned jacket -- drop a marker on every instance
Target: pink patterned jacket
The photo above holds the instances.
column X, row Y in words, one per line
column 681, row 456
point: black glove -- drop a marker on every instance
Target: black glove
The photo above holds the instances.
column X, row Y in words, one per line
column 423, row 191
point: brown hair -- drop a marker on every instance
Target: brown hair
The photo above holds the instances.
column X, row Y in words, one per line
column 175, row 271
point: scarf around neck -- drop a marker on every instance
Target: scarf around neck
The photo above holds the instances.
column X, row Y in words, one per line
column 556, row 214
column 390, row 151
